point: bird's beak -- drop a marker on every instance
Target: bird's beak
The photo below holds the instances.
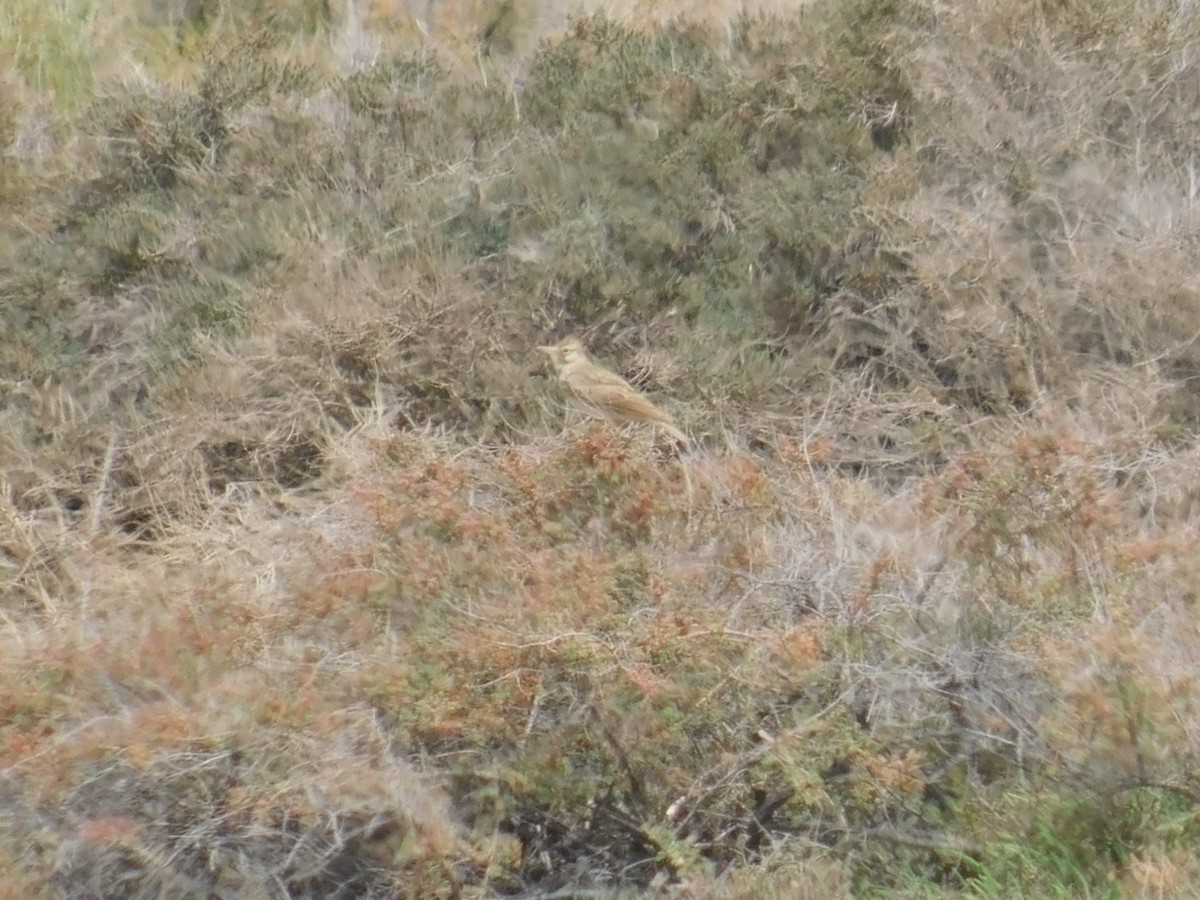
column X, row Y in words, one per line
column 549, row 351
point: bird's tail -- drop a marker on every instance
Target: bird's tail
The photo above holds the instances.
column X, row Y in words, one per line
column 676, row 434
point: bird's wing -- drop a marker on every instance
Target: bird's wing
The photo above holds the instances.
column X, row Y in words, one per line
column 627, row 403
column 613, row 397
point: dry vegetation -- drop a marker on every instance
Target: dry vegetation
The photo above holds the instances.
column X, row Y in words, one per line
column 310, row 586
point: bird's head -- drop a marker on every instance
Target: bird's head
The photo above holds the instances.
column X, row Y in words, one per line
column 565, row 352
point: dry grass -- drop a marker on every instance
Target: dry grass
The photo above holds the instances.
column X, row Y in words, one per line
column 308, row 588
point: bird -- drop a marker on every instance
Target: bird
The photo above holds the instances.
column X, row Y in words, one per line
column 606, row 393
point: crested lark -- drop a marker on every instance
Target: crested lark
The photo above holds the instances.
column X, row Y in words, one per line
column 605, row 392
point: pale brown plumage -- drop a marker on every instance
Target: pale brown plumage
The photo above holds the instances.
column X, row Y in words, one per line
column 605, row 392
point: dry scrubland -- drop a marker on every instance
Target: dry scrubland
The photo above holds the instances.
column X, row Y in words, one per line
column 310, row 586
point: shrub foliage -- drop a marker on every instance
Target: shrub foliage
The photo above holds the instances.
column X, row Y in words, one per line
column 313, row 587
